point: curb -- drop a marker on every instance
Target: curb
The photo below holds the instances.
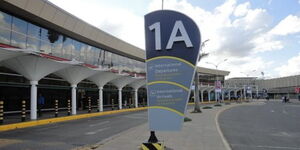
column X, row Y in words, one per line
column 27, row 124
column 63, row 119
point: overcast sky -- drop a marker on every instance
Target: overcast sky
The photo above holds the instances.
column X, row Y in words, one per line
column 255, row 36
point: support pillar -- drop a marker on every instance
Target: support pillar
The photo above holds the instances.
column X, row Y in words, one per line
column 100, row 99
column 216, row 96
column 256, row 92
column 223, row 95
column 208, row 96
column 33, row 100
column 229, row 96
column 136, row 98
column 74, row 102
column 201, row 96
column 120, row 98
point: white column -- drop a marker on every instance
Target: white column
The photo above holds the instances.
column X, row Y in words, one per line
column 120, row 98
column 223, row 95
column 245, row 94
column 33, row 100
column 201, row 96
column 74, row 102
column 235, row 93
column 208, row 96
column 100, row 107
column 136, row 98
column 256, row 92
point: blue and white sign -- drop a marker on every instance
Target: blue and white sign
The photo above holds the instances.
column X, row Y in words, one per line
column 172, row 50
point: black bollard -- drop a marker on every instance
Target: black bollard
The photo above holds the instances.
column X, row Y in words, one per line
column 112, row 104
column 98, row 105
column 1, row 112
column 23, row 112
column 69, row 107
column 152, row 138
column 56, row 108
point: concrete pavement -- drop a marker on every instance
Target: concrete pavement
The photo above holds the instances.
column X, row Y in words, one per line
column 202, row 133
column 273, row 125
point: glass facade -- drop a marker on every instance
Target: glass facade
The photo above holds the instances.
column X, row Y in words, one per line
column 23, row 34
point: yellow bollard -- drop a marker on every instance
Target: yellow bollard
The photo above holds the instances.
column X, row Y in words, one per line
column 56, row 108
column 89, row 101
column 69, row 107
column 1, row 112
column 23, row 112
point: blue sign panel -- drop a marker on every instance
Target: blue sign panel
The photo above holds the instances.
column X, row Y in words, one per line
column 172, row 50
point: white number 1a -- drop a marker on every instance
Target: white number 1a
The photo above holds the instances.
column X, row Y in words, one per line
column 173, row 37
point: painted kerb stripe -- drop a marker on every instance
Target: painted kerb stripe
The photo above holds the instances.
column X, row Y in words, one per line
column 169, row 82
column 62, row 119
column 171, row 57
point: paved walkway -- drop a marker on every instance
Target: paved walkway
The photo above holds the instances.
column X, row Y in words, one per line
column 202, row 133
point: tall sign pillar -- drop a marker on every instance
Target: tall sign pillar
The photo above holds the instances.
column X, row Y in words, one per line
column 172, row 50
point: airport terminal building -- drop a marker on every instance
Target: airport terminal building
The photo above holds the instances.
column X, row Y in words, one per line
column 274, row 88
column 46, row 51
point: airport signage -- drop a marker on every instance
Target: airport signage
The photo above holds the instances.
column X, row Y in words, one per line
column 172, row 50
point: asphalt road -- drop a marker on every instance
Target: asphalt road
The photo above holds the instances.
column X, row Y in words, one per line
column 71, row 134
column 271, row 126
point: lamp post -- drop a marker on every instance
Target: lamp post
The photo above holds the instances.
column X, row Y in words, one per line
column 217, row 81
column 196, row 81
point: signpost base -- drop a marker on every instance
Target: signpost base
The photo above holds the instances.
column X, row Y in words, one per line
column 153, row 143
column 152, row 138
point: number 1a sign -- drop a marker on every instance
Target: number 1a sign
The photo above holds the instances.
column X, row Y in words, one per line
column 172, row 51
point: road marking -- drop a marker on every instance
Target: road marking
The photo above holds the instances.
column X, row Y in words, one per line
column 98, row 124
column 284, row 112
column 136, row 116
column 267, row 146
column 272, row 111
column 6, row 142
column 94, row 132
column 49, row 128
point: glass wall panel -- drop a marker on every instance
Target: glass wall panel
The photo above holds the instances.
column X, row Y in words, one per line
column 5, row 28
column 33, row 37
column 57, row 44
column 115, row 61
column 89, row 54
column 101, row 57
column 107, row 60
column 83, row 49
column 19, row 29
column 45, row 42
column 77, row 49
column 19, row 33
column 96, row 56
column 68, row 47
